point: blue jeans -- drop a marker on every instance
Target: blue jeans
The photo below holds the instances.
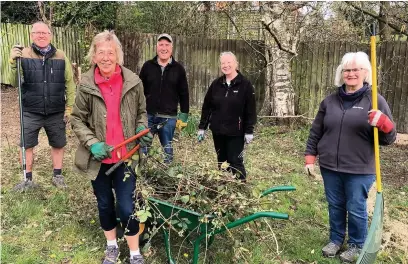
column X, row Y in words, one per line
column 165, row 133
column 347, row 195
column 124, row 191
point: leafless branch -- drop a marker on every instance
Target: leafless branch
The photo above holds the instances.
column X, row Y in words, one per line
column 42, row 11
column 240, row 35
column 275, row 37
column 391, row 25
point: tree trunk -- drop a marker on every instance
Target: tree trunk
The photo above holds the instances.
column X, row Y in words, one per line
column 281, row 45
column 282, row 90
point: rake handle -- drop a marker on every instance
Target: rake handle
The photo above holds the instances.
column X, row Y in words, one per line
column 375, row 107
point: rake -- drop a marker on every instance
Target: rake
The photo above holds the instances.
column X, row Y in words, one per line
column 373, row 242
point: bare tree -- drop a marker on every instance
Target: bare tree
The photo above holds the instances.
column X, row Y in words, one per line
column 283, row 23
column 392, row 16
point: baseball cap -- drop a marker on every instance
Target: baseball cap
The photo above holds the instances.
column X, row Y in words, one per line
column 166, row 36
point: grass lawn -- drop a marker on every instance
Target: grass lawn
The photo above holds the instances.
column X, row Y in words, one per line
column 47, row 225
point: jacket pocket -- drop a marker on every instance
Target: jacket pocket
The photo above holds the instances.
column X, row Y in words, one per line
column 84, row 164
column 82, row 158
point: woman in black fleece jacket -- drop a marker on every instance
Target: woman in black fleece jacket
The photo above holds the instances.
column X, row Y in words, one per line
column 229, row 108
column 343, row 137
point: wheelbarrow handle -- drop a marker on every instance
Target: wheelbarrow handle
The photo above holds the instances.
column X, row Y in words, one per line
column 277, row 189
column 122, row 160
column 133, row 138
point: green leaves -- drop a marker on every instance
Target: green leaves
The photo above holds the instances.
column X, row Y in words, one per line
column 143, row 215
column 185, row 198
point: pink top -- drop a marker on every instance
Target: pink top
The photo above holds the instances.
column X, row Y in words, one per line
column 111, row 90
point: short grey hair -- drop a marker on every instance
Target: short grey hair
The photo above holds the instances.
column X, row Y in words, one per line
column 229, row 53
column 360, row 59
column 41, row 23
column 107, row 35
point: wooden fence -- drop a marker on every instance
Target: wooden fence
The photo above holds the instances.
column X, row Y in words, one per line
column 314, row 69
column 67, row 39
column 200, row 57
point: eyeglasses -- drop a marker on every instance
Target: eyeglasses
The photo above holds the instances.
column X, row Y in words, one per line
column 355, row 70
column 41, row 33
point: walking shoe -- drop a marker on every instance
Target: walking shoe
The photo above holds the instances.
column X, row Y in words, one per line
column 111, row 255
column 331, row 250
column 58, row 181
column 351, row 254
column 138, row 259
column 25, row 185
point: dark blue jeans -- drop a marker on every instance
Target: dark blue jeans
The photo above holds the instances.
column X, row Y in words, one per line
column 166, row 134
column 347, row 196
column 124, row 191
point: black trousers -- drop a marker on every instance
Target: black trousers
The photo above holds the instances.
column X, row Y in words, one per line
column 230, row 149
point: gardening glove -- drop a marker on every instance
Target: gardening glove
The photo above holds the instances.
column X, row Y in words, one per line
column 147, row 139
column 377, row 119
column 249, row 138
column 309, row 167
column 15, row 52
column 67, row 113
column 181, row 121
column 200, row 135
column 101, row 151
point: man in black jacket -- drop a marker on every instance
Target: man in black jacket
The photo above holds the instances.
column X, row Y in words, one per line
column 165, row 86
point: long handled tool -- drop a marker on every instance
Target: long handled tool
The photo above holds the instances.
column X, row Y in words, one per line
column 20, row 101
column 373, row 242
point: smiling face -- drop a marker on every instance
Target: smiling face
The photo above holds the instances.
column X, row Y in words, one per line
column 353, row 76
column 229, row 64
column 41, row 35
column 106, row 57
column 164, row 49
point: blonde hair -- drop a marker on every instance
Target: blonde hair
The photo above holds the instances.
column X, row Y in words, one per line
column 360, row 59
column 107, row 35
column 229, row 53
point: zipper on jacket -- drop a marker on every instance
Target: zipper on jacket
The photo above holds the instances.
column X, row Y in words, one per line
column 161, row 83
column 338, row 141
column 228, row 88
column 239, row 123
column 45, row 90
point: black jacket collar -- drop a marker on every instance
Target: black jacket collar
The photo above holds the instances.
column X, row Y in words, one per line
column 154, row 60
column 238, row 79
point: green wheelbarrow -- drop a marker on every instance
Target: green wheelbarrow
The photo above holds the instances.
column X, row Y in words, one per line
column 202, row 223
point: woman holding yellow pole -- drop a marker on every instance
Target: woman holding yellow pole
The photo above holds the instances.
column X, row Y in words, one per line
column 343, row 138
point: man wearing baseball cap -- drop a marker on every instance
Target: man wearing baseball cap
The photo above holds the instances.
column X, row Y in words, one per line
column 165, row 86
